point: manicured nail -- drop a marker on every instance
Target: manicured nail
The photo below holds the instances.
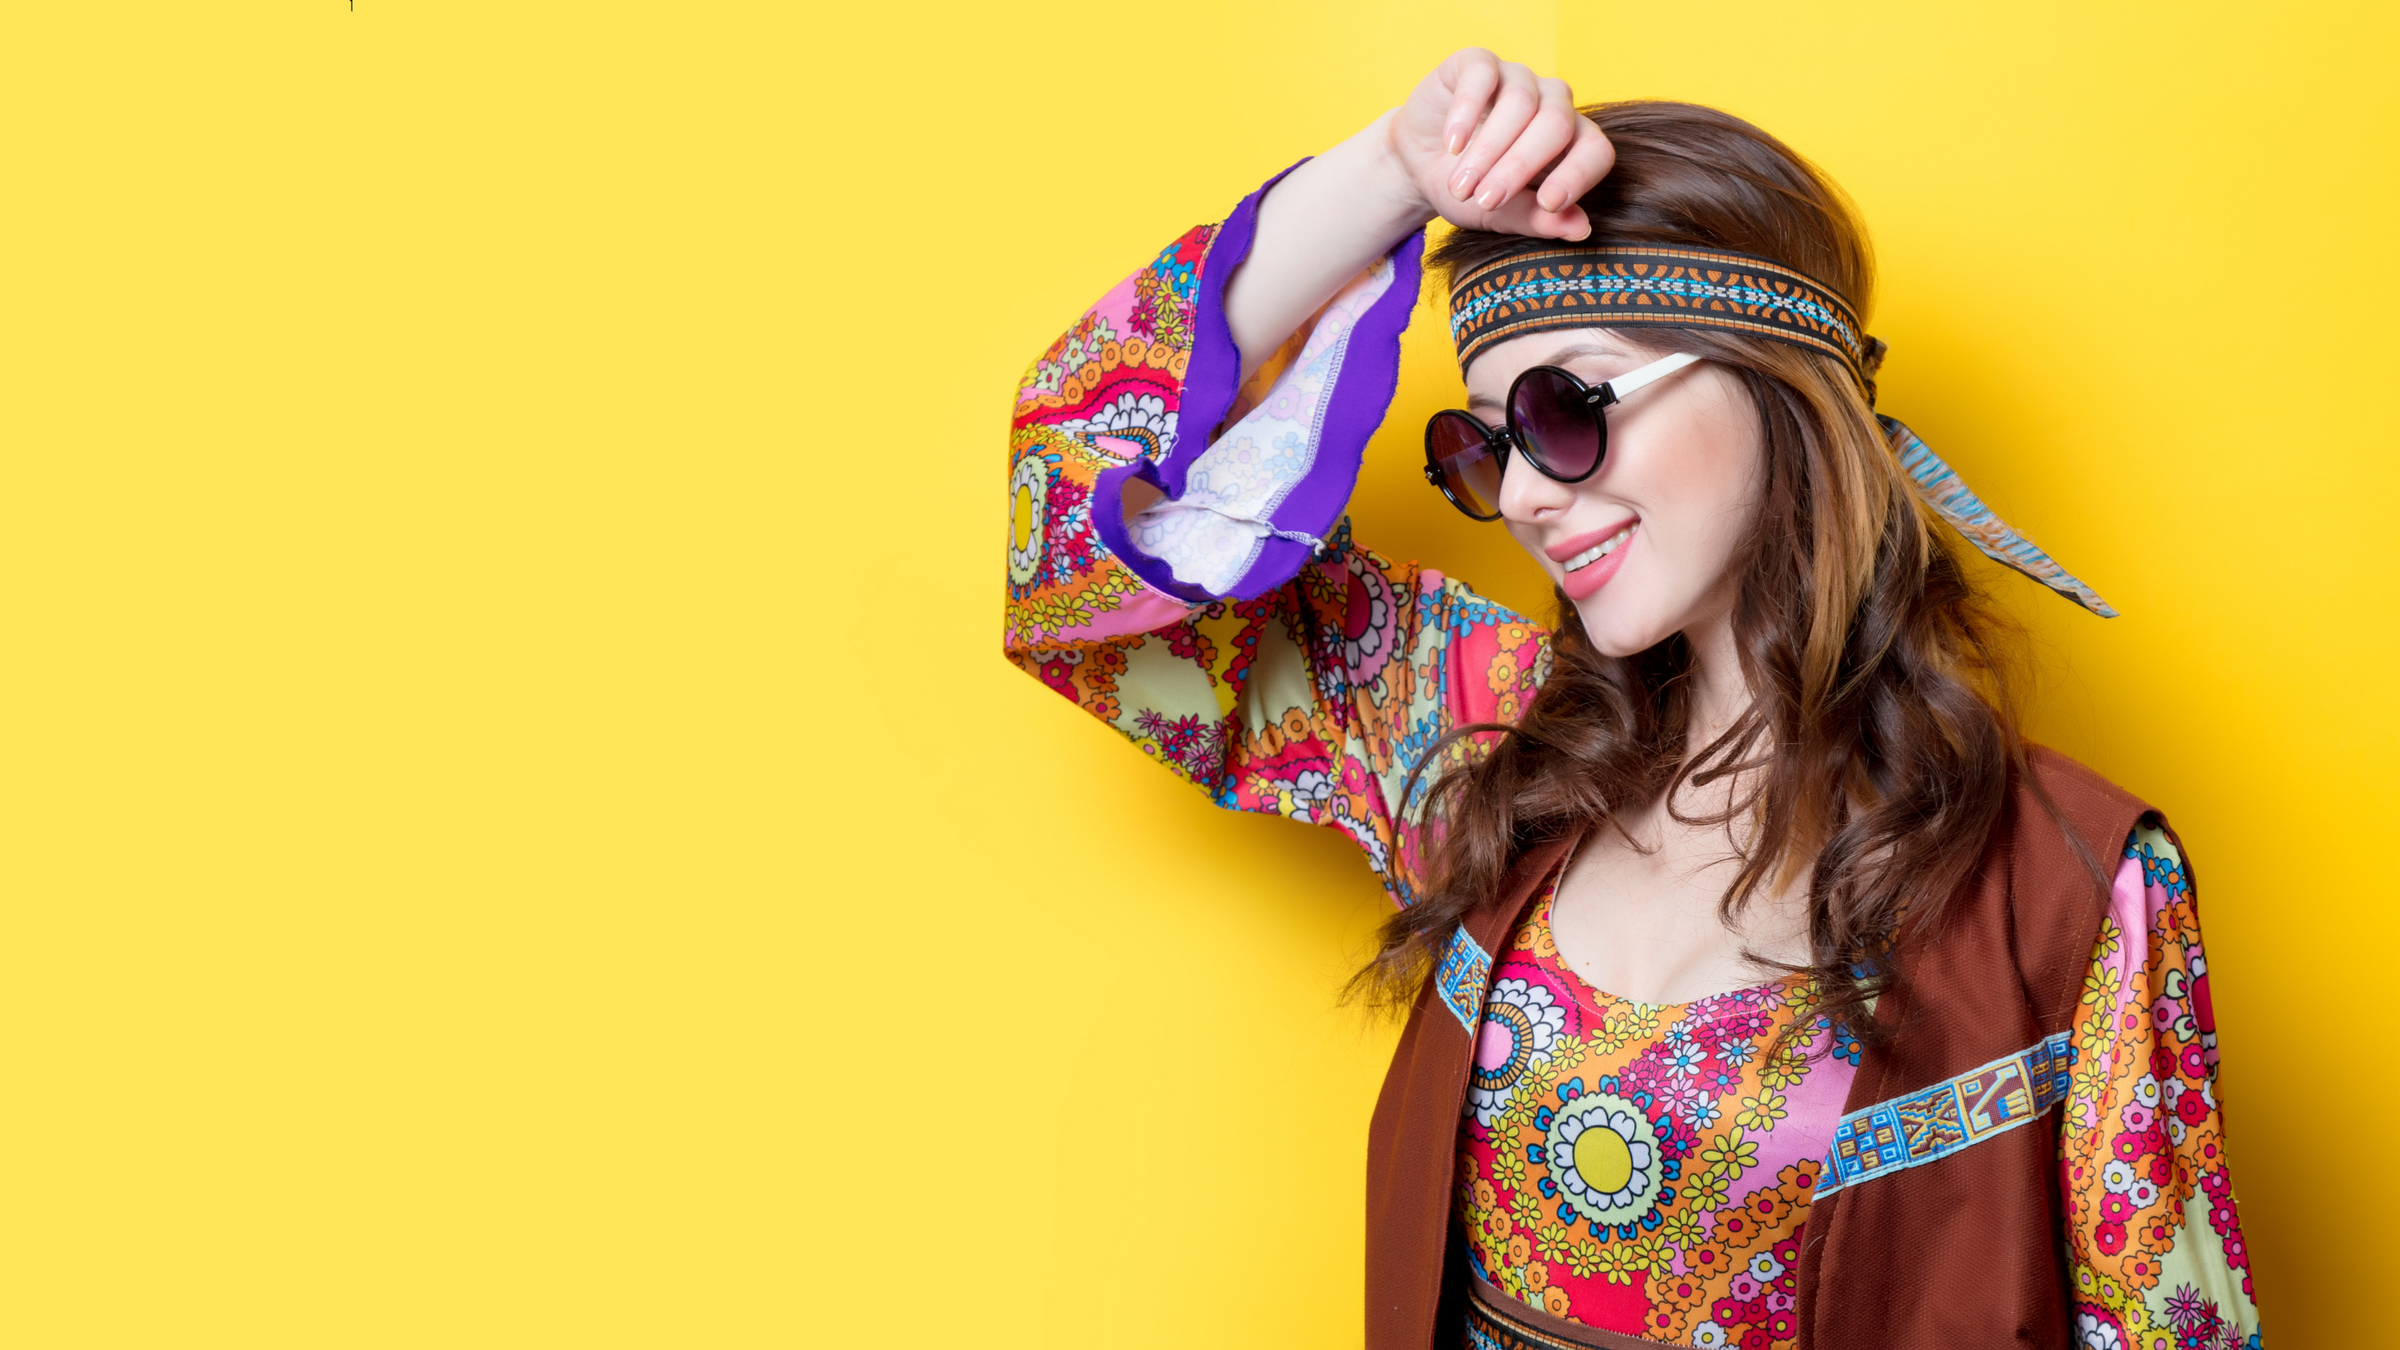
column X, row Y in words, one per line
column 1457, row 140
column 1461, row 183
column 1491, row 199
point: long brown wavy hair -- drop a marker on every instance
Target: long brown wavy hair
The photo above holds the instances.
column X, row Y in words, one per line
column 1880, row 745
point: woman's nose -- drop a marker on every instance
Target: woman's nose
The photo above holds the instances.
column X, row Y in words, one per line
column 1528, row 494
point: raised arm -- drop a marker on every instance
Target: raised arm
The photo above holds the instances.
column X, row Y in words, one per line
column 1471, row 137
column 1177, row 561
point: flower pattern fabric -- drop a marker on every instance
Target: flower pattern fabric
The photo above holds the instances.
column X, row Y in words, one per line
column 1706, row 1153
column 1637, row 1167
column 2154, row 1240
column 1646, row 1168
column 1312, row 700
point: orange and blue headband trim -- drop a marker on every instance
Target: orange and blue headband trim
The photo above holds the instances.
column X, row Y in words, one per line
column 1616, row 286
column 1629, row 287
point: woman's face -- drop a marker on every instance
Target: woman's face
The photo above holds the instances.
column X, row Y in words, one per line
column 1645, row 546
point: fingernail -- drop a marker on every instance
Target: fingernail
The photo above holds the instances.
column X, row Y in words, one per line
column 1491, row 199
column 1462, row 183
column 1456, row 142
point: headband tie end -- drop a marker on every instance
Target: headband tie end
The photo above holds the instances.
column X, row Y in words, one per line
column 1956, row 503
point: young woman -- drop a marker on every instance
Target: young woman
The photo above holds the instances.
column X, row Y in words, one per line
column 1768, row 989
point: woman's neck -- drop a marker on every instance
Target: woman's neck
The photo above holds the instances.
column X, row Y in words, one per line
column 1720, row 693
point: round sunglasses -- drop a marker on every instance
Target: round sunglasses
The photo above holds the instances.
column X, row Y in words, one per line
column 1552, row 416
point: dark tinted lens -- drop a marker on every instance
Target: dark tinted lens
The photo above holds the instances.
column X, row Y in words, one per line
column 1562, row 433
column 1469, row 469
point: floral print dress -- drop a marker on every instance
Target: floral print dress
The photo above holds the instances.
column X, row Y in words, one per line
column 1647, row 1168
column 1641, row 1168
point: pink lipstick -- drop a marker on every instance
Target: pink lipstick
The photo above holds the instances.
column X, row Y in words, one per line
column 1591, row 559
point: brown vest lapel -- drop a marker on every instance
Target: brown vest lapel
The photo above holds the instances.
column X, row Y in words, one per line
column 1412, row 1145
column 1965, row 1250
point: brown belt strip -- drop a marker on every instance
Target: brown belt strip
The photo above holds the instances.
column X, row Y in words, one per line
column 1497, row 1322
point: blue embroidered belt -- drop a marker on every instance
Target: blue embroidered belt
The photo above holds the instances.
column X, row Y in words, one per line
column 1935, row 1122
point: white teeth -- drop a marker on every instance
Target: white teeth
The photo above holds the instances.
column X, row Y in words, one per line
column 1598, row 551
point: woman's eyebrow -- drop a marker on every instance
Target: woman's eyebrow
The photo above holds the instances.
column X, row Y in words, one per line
column 1583, row 349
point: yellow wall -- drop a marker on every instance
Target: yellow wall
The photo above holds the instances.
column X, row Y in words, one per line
column 517, row 830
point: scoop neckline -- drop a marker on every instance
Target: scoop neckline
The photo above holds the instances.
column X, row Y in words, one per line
column 1583, row 986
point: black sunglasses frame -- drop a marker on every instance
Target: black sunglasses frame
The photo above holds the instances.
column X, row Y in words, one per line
column 1595, row 401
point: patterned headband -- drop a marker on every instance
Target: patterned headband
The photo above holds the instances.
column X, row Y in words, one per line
column 1616, row 287
column 1620, row 287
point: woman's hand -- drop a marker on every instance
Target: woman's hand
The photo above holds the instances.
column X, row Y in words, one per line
column 1467, row 145
column 1479, row 131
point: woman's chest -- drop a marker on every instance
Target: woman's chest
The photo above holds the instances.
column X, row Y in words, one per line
column 1645, row 1168
column 1649, row 924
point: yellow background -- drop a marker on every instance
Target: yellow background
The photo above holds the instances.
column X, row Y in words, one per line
column 517, row 830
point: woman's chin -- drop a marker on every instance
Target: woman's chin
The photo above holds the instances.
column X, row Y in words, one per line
column 1614, row 633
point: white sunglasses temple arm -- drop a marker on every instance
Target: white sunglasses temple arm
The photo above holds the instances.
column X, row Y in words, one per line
column 1649, row 374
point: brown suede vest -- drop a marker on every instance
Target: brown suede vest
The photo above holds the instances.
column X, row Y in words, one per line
column 1963, row 1251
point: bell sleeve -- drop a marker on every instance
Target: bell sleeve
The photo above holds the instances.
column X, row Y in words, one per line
column 1228, row 626
column 2154, row 1241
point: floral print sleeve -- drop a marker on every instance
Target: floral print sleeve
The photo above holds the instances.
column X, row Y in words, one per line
column 1230, row 628
column 2154, row 1241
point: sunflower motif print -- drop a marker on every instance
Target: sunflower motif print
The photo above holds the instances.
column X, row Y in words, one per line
column 1028, row 489
column 1645, row 1168
column 1608, row 1158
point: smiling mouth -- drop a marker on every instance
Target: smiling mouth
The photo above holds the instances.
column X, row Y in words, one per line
column 1600, row 550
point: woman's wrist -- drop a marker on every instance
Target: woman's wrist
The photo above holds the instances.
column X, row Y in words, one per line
column 1384, row 178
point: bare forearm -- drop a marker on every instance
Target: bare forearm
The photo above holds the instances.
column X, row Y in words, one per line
column 1318, row 228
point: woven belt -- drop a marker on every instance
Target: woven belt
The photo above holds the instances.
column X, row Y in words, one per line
column 1497, row 1322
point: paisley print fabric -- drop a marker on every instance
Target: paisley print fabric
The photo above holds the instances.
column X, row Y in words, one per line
column 1312, row 700
column 1636, row 1167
